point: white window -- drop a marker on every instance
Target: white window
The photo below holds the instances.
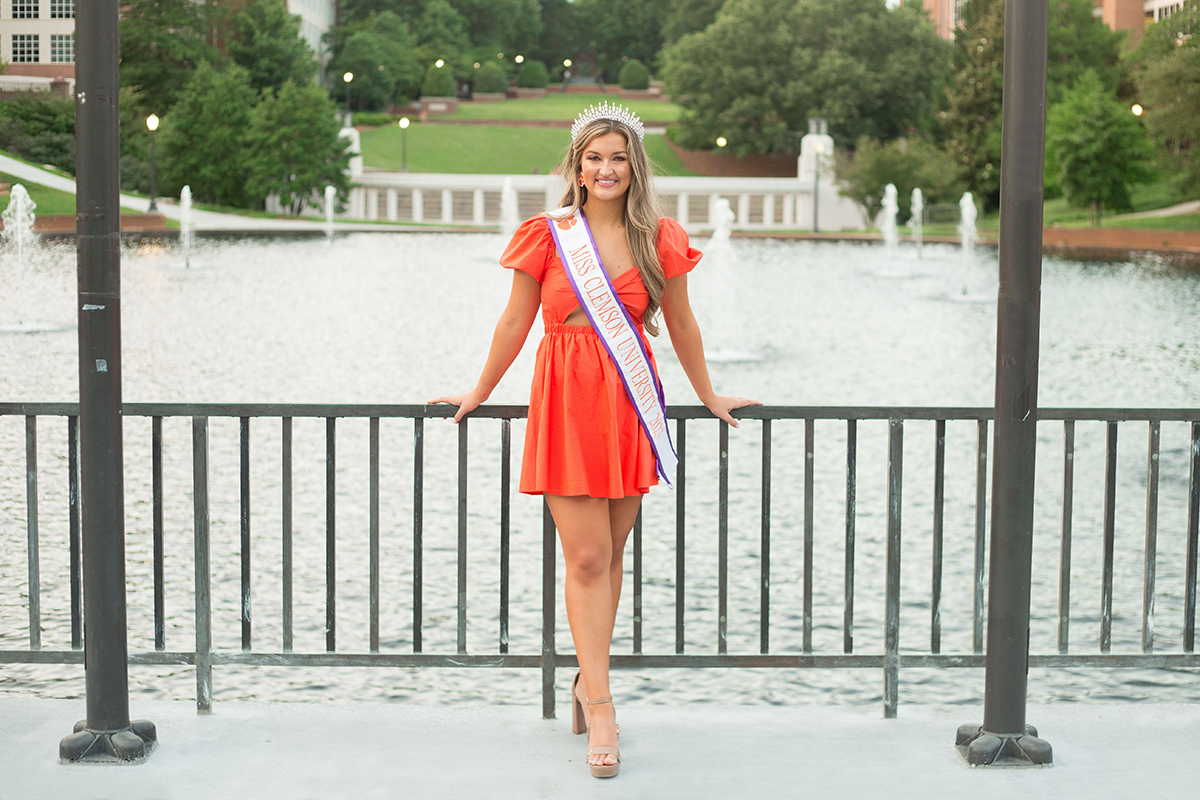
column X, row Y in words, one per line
column 25, row 48
column 25, row 9
column 62, row 48
column 62, row 9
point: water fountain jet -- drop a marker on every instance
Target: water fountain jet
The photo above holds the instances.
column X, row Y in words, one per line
column 330, row 198
column 915, row 221
column 185, row 224
column 887, row 222
column 966, row 230
column 727, row 336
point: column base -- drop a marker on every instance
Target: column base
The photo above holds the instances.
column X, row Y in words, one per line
column 980, row 748
column 131, row 745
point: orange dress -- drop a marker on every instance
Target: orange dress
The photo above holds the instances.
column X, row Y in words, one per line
column 583, row 435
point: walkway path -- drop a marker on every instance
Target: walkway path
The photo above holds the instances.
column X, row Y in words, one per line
column 285, row 750
column 202, row 220
column 1190, row 207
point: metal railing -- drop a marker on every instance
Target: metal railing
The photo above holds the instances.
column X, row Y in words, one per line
column 204, row 656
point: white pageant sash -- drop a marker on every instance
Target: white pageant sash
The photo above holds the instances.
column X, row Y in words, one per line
column 604, row 309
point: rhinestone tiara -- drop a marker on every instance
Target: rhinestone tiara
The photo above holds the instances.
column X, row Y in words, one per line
column 611, row 111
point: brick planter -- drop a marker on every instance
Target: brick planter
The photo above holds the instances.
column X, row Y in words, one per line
column 528, row 93
column 1121, row 240
column 65, row 223
column 488, row 97
column 439, row 105
column 653, row 93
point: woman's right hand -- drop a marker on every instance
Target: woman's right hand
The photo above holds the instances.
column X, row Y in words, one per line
column 466, row 402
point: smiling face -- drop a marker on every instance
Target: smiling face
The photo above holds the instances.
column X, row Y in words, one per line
column 605, row 167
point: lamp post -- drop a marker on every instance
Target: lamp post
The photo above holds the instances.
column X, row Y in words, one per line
column 721, row 142
column 152, row 124
column 818, row 151
column 1137, row 109
column 349, row 76
column 404, row 123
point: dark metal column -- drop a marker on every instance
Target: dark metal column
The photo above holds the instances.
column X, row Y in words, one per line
column 1004, row 738
column 107, row 734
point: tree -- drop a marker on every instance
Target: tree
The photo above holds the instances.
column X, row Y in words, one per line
column 295, row 150
column 634, row 75
column 162, row 42
column 202, row 141
column 441, row 33
column 758, row 72
column 266, row 41
column 1100, row 147
column 533, row 75
column 1078, row 43
column 439, row 82
column 907, row 163
column 1170, row 89
column 618, row 30
column 380, row 53
column 972, row 118
column 688, row 16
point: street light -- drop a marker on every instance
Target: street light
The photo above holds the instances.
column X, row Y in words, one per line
column 349, row 76
column 818, row 151
column 566, row 62
column 404, row 123
column 519, row 59
column 721, row 142
column 439, row 63
column 1137, row 109
column 152, row 124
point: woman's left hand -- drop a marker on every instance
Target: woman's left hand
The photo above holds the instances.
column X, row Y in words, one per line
column 720, row 405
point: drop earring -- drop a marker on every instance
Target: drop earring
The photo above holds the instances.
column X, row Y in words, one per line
column 581, row 181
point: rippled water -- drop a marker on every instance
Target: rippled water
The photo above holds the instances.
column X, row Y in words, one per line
column 400, row 318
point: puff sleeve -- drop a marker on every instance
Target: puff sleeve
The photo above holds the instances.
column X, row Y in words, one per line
column 675, row 254
column 531, row 249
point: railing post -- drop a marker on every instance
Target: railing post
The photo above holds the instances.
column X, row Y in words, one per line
column 549, row 657
column 1004, row 738
column 203, row 589
column 107, row 734
column 891, row 613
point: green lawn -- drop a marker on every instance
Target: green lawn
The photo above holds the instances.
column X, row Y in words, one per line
column 555, row 106
column 487, row 149
column 49, row 201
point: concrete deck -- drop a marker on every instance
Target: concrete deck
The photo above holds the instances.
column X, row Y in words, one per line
column 297, row 750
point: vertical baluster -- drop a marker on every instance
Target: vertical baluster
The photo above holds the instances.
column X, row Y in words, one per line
column 1189, row 591
column 1064, row 559
column 891, row 625
column 1151, row 554
column 31, row 528
column 462, row 536
column 505, row 497
column 808, row 534
column 373, row 534
column 980, row 535
column 723, row 538
column 418, row 527
column 156, row 502
column 330, row 534
column 764, row 583
column 637, row 583
column 549, row 593
column 73, row 532
column 680, row 517
column 1110, row 508
column 851, row 515
column 939, row 502
column 245, row 529
column 203, row 598
column 287, row 533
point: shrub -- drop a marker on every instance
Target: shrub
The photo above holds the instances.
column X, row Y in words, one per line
column 372, row 118
column 490, row 79
column 439, row 82
column 634, row 75
column 533, row 75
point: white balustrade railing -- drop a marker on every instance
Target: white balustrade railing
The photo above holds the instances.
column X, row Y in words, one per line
column 451, row 199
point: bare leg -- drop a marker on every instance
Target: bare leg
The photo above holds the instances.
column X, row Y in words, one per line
column 585, row 530
column 621, row 515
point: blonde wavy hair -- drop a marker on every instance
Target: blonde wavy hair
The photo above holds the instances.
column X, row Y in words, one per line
column 642, row 209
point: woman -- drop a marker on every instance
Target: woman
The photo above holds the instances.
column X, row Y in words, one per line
column 596, row 435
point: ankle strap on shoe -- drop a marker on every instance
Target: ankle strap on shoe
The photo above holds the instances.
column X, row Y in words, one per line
column 599, row 700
